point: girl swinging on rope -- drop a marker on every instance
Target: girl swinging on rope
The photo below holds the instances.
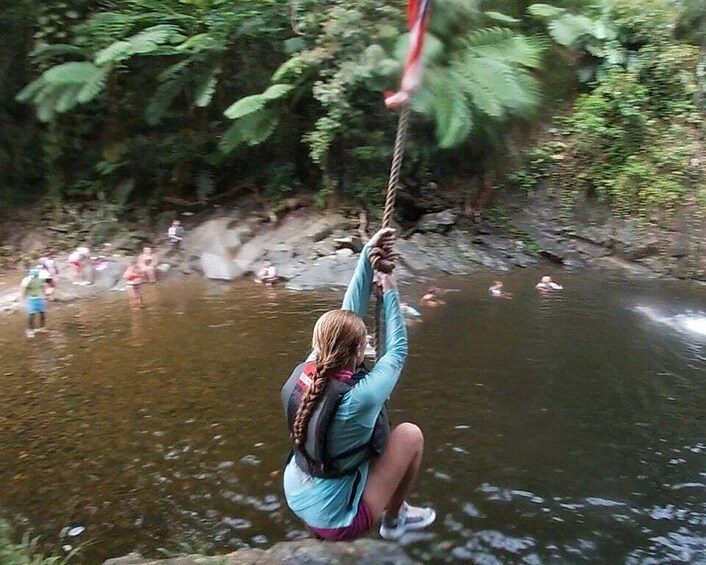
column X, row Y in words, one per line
column 347, row 469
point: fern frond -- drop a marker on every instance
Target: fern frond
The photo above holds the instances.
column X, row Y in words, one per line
column 68, row 99
column 252, row 129
column 501, row 18
column 207, row 88
column 200, row 43
column 70, row 73
column 94, row 85
column 544, row 11
column 44, row 52
column 452, row 115
column 162, row 99
column 567, row 29
column 114, row 53
column 174, row 70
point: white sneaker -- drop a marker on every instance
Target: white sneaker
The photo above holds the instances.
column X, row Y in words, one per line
column 409, row 518
column 29, row 333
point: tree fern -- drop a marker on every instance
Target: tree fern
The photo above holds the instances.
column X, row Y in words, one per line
column 452, row 115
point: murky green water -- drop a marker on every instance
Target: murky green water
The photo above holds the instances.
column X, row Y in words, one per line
column 566, row 429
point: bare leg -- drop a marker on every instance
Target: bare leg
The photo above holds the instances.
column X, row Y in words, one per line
column 391, row 476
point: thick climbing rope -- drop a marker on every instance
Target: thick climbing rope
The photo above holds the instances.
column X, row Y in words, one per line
column 382, row 257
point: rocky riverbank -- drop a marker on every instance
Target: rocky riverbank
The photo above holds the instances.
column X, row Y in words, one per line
column 310, row 249
column 314, row 250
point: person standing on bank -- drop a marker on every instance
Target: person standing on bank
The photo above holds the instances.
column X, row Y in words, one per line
column 347, row 469
column 33, row 287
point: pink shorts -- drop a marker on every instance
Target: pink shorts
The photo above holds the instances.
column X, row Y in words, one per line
column 362, row 523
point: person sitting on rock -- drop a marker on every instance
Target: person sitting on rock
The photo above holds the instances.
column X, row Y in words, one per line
column 361, row 472
column 147, row 262
column 433, row 297
column 497, row 290
column 268, row 274
column 547, row 284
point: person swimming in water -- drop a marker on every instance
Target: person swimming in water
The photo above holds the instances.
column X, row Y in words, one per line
column 497, row 290
column 433, row 297
column 361, row 472
column 268, row 274
column 547, row 284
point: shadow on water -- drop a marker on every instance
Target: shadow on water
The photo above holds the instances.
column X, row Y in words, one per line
column 560, row 428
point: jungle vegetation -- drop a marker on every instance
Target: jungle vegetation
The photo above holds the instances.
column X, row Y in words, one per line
column 123, row 101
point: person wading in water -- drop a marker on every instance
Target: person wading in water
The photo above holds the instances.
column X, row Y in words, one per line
column 347, row 469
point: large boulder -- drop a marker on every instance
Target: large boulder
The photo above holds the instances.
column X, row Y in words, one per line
column 327, row 272
column 218, row 267
column 440, row 222
column 303, row 552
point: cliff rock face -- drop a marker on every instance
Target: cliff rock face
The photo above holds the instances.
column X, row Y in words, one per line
column 304, row 552
column 589, row 234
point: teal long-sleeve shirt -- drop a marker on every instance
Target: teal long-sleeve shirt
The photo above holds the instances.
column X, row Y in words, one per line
column 333, row 503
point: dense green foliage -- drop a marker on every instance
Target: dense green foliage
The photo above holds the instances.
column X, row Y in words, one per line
column 140, row 99
column 635, row 139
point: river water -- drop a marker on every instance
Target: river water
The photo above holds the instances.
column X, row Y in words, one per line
column 560, row 429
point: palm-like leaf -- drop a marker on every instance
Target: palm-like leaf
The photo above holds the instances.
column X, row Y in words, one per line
column 251, row 129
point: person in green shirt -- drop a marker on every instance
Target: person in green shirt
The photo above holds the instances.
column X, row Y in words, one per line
column 33, row 287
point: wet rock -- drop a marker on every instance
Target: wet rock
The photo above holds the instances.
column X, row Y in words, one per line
column 217, row 267
column 34, row 243
column 440, row 222
column 349, row 242
column 327, row 272
column 633, row 243
column 104, row 231
column 679, row 245
column 598, row 235
column 304, row 552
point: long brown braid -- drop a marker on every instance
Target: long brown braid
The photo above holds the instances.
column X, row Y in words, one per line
column 337, row 336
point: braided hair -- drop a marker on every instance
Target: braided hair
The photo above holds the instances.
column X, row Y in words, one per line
column 338, row 335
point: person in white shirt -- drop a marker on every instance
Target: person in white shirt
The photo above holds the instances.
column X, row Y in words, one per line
column 547, row 284
column 77, row 261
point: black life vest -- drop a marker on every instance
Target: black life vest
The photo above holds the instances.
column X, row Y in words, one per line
column 314, row 457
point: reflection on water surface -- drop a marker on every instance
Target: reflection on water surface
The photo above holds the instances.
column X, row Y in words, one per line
column 560, row 429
